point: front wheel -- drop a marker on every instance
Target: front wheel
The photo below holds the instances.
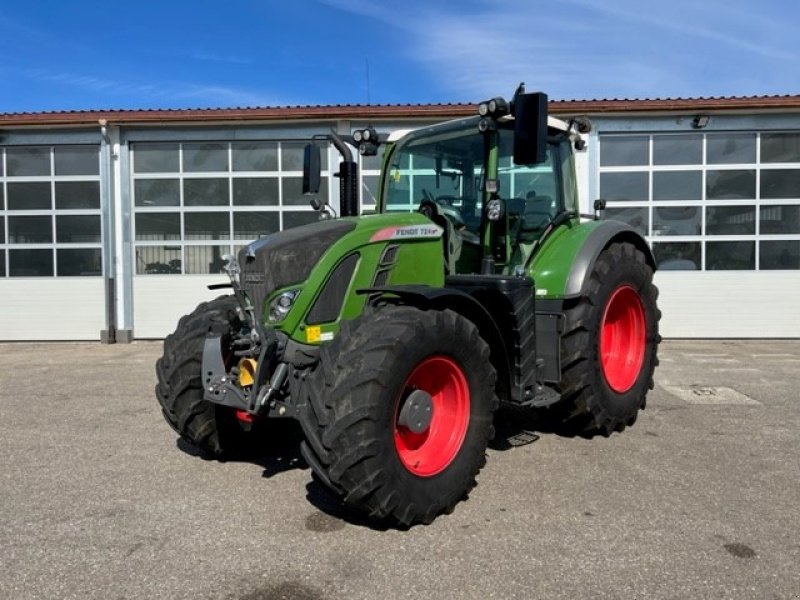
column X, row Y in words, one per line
column 210, row 427
column 399, row 412
column 609, row 347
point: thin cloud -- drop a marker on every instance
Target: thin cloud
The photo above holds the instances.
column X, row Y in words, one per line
column 591, row 48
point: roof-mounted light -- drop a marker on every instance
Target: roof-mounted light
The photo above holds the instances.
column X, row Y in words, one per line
column 495, row 108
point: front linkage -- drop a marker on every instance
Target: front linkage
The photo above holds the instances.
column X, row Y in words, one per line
column 248, row 369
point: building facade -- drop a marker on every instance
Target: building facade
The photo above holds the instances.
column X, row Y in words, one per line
column 113, row 223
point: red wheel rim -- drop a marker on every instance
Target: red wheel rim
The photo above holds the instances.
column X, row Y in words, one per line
column 622, row 339
column 430, row 452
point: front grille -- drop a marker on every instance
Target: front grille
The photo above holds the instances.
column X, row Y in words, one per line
column 286, row 258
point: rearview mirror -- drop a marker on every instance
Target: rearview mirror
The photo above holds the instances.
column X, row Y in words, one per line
column 530, row 128
column 312, row 167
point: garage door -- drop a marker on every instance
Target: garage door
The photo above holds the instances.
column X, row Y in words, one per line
column 51, row 239
column 721, row 211
column 193, row 203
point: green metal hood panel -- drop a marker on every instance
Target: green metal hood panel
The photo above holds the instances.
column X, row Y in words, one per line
column 419, row 260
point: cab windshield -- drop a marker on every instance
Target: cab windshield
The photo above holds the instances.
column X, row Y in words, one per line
column 448, row 169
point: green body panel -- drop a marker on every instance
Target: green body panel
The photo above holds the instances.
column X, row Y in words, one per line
column 552, row 263
column 419, row 261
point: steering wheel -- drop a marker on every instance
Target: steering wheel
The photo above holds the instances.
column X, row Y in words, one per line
column 429, row 208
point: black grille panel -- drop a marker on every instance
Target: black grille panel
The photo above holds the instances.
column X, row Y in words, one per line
column 329, row 303
column 285, row 258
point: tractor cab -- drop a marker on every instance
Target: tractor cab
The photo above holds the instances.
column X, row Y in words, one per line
column 493, row 211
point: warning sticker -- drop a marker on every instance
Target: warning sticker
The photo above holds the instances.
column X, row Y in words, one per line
column 313, row 334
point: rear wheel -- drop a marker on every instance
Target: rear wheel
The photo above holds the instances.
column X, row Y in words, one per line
column 608, row 350
column 399, row 412
column 210, row 427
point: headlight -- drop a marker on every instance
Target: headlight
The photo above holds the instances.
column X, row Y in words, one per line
column 281, row 304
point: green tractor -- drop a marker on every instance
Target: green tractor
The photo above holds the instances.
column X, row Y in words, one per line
column 393, row 337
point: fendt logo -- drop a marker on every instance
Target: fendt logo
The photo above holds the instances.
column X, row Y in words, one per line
column 407, row 232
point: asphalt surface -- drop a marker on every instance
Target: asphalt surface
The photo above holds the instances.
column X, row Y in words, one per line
column 700, row 499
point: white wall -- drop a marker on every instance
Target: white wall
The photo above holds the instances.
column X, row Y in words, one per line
column 63, row 308
column 732, row 304
column 159, row 301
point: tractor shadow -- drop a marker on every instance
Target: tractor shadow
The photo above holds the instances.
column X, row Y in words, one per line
column 515, row 427
column 276, row 449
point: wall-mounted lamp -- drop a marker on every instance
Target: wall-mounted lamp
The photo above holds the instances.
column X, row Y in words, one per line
column 700, row 121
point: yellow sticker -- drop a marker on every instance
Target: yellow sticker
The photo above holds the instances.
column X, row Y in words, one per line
column 313, row 334
column 396, row 175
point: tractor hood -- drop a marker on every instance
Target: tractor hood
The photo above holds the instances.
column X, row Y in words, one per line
column 286, row 258
column 305, row 258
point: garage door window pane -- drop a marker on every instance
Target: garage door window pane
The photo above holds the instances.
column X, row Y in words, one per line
column 30, row 263
column 77, row 160
column 29, row 196
column 780, row 254
column 252, row 191
column 780, row 147
column 731, row 148
column 205, row 157
column 677, row 220
column 731, row 185
column 158, row 226
column 205, row 259
column 730, row 256
column 256, row 156
column 155, row 158
column 292, row 156
column 79, row 262
column 157, row 192
column 30, row 230
column 158, row 260
column 28, row 162
column 77, row 194
column 637, row 217
column 80, row 229
column 677, row 256
column 623, row 186
column 677, row 185
column 731, row 220
column 623, row 151
column 780, row 219
column 677, row 149
column 253, row 225
column 295, row 219
column 293, row 192
column 775, row 183
column 2, row 263
column 206, row 226
column 205, row 192
column 2, row 195
column 2, row 230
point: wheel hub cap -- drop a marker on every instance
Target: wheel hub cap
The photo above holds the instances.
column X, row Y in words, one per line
column 417, row 412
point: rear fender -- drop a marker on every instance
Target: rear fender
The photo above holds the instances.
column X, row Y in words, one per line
column 607, row 233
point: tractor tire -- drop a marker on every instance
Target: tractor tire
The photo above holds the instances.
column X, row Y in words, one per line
column 609, row 345
column 211, row 428
column 367, row 434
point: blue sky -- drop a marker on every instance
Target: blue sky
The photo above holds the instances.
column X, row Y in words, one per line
column 59, row 55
